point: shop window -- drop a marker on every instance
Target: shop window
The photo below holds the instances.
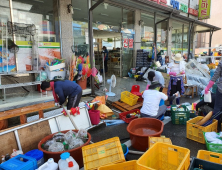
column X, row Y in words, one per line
column 180, row 38
column 43, row 14
column 161, row 35
column 147, row 31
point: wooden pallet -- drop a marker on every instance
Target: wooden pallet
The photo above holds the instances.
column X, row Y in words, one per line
column 125, row 107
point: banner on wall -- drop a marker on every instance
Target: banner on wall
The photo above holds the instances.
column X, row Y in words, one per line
column 204, row 9
column 47, row 51
column 125, row 43
column 130, row 42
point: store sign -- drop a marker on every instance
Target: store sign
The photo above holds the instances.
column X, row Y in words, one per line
column 161, row 2
column 193, row 12
column 125, row 42
column 179, row 6
column 130, row 42
column 204, row 9
column 184, row 8
column 175, row 4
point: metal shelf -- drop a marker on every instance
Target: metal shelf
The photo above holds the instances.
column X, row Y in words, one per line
column 6, row 86
column 24, row 72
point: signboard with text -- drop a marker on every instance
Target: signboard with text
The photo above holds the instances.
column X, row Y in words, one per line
column 125, row 43
column 130, row 42
column 193, row 12
column 204, row 9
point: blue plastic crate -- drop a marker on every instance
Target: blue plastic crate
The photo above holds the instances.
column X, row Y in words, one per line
column 20, row 162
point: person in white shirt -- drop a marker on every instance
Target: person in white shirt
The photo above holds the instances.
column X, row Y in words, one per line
column 151, row 101
column 176, row 70
column 155, row 76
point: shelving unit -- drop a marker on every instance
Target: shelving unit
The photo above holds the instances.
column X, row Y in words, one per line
column 12, row 31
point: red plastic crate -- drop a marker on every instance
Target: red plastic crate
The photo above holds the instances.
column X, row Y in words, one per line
column 128, row 120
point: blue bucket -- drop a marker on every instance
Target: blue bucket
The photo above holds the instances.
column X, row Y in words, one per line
column 127, row 151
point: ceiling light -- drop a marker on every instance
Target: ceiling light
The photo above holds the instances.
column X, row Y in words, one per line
column 39, row 1
column 77, row 9
column 104, row 14
column 105, row 5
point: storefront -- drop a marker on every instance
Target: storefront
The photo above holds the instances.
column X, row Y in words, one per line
column 123, row 26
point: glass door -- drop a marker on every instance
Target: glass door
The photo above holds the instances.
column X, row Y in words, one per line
column 127, row 53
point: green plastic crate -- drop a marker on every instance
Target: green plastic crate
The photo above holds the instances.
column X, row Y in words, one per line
column 213, row 147
column 180, row 117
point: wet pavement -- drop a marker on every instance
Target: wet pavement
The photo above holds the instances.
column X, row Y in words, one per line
column 177, row 134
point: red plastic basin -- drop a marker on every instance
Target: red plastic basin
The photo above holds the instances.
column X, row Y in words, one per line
column 141, row 129
column 75, row 153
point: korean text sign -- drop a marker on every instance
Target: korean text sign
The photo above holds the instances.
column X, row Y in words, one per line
column 204, row 9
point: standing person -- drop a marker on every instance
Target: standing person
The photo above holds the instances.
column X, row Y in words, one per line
column 155, row 76
column 152, row 98
column 106, row 57
column 63, row 89
column 218, row 97
column 176, row 70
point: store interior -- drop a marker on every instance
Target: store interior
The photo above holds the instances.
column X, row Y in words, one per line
column 112, row 41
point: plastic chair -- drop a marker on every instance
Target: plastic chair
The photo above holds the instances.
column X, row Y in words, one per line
column 136, row 90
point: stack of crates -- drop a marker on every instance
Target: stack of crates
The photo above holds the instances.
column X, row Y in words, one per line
column 141, row 58
column 102, row 153
column 207, row 160
column 159, row 156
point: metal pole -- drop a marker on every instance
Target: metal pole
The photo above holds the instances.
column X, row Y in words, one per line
column 155, row 33
column 182, row 37
column 17, row 140
column 91, row 45
column 210, row 41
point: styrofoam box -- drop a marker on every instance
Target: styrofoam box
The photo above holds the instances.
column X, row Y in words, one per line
column 52, row 74
column 56, row 67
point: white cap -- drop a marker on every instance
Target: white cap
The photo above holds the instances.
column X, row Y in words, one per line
column 51, row 160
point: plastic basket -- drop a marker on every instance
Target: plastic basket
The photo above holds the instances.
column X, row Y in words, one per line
column 128, row 120
column 166, row 157
column 210, row 156
column 102, row 153
column 28, row 163
column 195, row 132
column 205, row 165
column 179, row 117
column 153, row 140
column 213, row 147
column 55, row 67
column 129, row 98
column 130, row 165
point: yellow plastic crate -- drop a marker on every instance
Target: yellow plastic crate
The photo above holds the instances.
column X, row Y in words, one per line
column 210, row 156
column 165, row 157
column 153, row 140
column 130, row 165
column 129, row 98
column 195, row 132
column 102, row 153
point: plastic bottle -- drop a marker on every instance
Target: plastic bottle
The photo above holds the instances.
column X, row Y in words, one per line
column 67, row 162
column 49, row 165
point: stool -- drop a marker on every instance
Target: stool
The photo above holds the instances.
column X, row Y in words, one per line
column 193, row 88
column 136, row 91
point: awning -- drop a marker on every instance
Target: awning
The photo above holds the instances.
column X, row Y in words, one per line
column 149, row 6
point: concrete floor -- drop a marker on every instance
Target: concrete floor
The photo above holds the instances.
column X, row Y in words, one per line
column 125, row 84
column 177, row 134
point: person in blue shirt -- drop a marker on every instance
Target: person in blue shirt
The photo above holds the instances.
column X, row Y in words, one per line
column 62, row 89
column 106, row 57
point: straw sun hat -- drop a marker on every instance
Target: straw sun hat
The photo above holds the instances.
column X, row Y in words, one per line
column 177, row 57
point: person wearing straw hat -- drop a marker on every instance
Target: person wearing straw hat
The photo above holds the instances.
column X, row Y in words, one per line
column 152, row 98
column 176, row 70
